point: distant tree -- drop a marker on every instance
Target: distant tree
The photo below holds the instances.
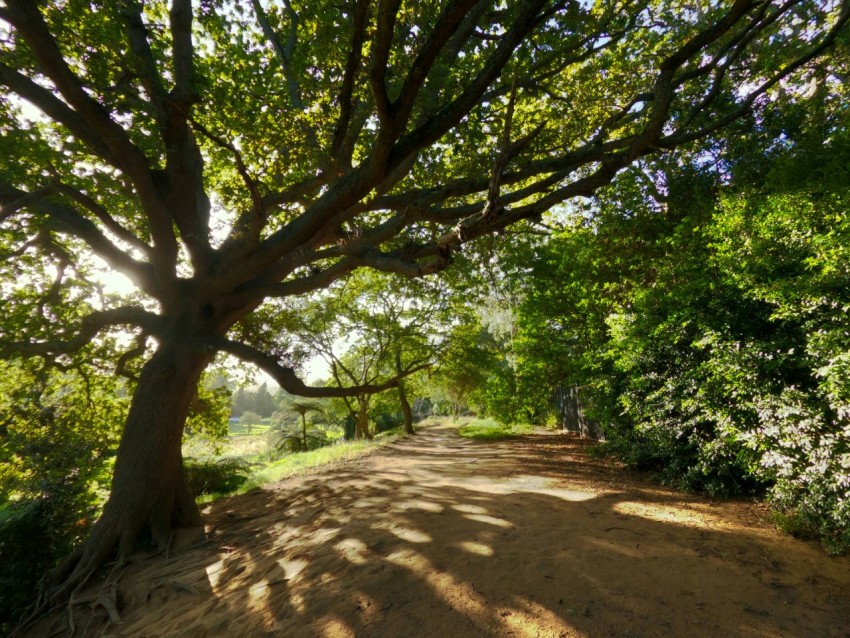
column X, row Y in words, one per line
column 413, row 318
column 373, row 328
column 264, row 403
column 303, row 440
column 241, row 402
column 249, row 420
column 465, row 364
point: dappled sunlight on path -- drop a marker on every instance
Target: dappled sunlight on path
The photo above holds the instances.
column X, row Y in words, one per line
column 438, row 536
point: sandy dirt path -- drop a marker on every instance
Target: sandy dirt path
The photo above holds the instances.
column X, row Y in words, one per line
column 439, row 536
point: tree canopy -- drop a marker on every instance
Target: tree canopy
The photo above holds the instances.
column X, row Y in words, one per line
column 227, row 157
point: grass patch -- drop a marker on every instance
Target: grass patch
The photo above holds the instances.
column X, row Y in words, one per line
column 239, row 429
column 391, row 433
column 301, row 462
column 490, row 430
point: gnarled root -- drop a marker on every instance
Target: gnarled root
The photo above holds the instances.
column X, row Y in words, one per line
column 113, row 536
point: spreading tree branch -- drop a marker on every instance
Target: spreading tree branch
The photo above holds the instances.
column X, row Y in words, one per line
column 90, row 326
column 283, row 51
column 359, row 20
column 29, row 23
column 144, row 62
column 63, row 218
column 105, row 218
column 288, row 379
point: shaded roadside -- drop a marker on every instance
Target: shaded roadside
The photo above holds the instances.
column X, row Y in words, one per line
column 440, row 536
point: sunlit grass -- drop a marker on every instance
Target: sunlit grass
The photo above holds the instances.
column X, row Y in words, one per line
column 236, row 429
column 302, row 462
column 490, row 430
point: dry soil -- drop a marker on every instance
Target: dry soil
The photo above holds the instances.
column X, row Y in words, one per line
column 439, row 536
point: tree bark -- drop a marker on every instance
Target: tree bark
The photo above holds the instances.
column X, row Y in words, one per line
column 150, row 502
column 406, row 411
column 361, row 429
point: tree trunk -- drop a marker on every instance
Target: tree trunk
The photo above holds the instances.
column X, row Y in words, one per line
column 406, row 411
column 361, row 430
column 304, row 429
column 150, row 501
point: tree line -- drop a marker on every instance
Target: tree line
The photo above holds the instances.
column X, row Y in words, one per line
column 701, row 306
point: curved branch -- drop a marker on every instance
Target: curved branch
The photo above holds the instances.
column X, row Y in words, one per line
column 435, row 127
column 145, row 63
column 13, row 200
column 289, row 381
column 450, row 20
column 133, row 353
column 387, row 14
column 352, row 64
column 69, row 220
column 90, row 326
column 29, row 23
column 416, row 260
column 105, row 218
column 283, row 52
column 242, row 169
column 44, row 100
column 314, row 281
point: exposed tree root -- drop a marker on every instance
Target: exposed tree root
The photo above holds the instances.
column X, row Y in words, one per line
column 106, row 598
column 63, row 586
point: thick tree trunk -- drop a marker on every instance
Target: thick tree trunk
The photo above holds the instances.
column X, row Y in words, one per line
column 150, row 502
column 361, row 429
column 406, row 411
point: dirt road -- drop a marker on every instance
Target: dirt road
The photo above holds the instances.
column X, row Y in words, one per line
column 441, row 537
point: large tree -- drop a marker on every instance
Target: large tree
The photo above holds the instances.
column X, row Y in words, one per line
column 226, row 159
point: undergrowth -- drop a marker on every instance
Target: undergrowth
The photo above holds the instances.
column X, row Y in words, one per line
column 490, row 430
column 265, row 469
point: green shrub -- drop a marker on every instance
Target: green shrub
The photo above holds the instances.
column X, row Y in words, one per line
column 216, row 477
column 385, row 421
column 59, row 431
column 34, row 536
column 289, row 441
column 490, row 430
column 388, row 434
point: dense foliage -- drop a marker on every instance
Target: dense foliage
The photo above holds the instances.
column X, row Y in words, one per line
column 58, row 432
column 705, row 316
column 232, row 161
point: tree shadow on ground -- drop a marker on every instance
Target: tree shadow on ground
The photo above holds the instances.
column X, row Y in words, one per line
column 438, row 536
